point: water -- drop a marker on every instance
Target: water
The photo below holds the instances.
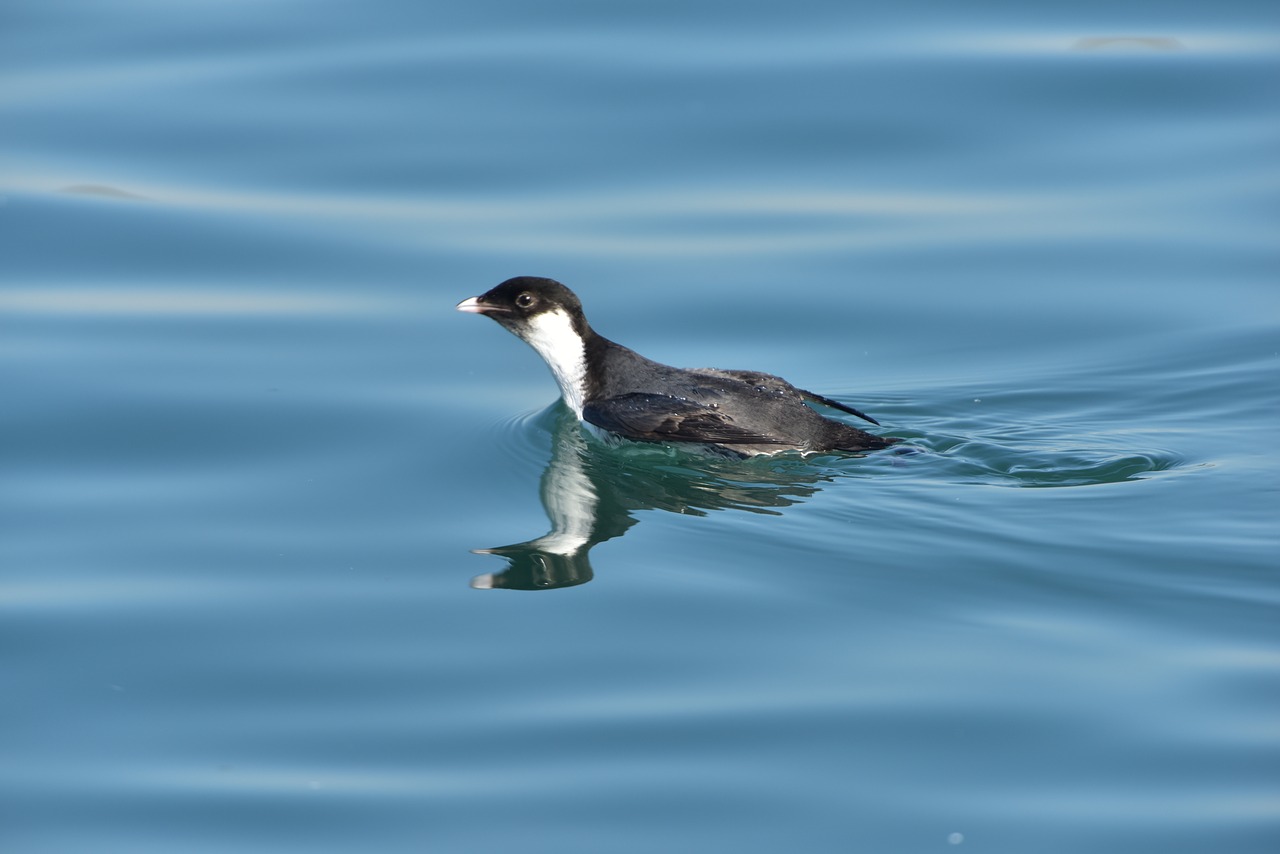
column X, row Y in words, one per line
column 249, row 447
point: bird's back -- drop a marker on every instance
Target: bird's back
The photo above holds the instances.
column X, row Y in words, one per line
column 765, row 413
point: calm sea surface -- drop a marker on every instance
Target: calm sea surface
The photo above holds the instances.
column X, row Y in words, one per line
column 248, row 446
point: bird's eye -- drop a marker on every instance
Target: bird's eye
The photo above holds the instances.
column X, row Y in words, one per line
column 524, row 300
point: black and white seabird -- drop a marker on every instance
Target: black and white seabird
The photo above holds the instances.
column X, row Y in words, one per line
column 617, row 391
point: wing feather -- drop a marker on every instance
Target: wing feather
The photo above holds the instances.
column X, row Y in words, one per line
column 661, row 418
column 835, row 404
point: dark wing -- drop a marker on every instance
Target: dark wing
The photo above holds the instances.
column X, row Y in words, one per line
column 777, row 385
column 660, row 418
column 835, row 404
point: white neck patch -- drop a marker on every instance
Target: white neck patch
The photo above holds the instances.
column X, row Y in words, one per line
column 551, row 333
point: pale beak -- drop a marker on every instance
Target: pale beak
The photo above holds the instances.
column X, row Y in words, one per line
column 472, row 305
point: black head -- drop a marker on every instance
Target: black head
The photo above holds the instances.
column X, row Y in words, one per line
column 516, row 303
column 548, row 317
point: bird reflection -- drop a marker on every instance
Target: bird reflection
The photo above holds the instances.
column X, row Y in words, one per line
column 590, row 491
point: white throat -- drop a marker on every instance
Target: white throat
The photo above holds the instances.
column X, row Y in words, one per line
column 551, row 333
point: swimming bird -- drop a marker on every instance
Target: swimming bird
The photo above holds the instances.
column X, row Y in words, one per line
column 620, row 393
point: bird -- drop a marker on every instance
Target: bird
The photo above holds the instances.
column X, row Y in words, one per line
column 619, row 394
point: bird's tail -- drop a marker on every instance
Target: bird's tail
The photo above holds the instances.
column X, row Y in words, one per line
column 846, row 438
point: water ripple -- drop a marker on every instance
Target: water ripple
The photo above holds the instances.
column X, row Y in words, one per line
column 172, row 302
column 969, row 460
column 1038, row 461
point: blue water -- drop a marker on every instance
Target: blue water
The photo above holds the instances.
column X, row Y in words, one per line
column 249, row 447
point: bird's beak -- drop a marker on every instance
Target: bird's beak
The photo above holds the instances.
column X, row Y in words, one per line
column 472, row 305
